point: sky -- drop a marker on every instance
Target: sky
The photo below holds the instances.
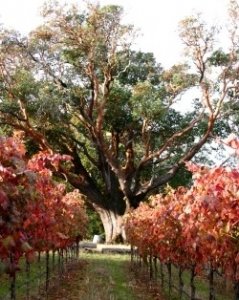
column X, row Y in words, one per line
column 156, row 19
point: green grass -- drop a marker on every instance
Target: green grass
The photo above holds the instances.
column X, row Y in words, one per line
column 36, row 281
column 101, row 277
column 94, row 277
column 107, row 277
column 201, row 284
column 36, row 270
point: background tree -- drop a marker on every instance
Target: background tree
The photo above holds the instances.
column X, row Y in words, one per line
column 75, row 86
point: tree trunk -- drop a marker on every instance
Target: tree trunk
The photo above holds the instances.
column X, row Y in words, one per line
column 169, row 267
column 236, row 289
column 211, row 284
column 181, row 283
column 113, row 226
column 192, row 283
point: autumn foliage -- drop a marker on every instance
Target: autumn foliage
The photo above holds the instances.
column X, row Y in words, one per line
column 36, row 213
column 193, row 227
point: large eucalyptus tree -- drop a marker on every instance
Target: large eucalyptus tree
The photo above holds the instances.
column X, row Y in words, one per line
column 75, row 86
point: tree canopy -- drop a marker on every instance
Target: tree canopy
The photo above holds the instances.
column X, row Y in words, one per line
column 75, row 86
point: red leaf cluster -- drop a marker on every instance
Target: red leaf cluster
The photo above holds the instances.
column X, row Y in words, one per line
column 195, row 227
column 36, row 213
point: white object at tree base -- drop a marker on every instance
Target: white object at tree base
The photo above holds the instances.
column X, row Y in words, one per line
column 97, row 239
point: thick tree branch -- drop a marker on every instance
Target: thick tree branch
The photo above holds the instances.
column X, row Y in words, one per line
column 169, row 141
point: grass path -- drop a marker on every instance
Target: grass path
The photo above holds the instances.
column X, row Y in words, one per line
column 101, row 277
